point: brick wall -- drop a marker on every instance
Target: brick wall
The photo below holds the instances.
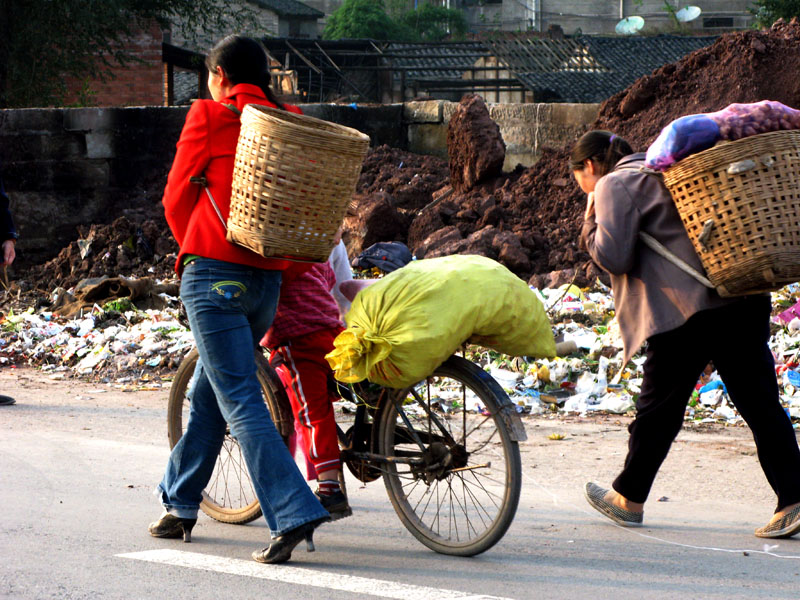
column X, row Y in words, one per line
column 136, row 84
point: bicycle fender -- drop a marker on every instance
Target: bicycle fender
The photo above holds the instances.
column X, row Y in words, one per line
column 509, row 415
column 506, row 409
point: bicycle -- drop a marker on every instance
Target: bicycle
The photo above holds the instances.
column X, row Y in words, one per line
column 446, row 448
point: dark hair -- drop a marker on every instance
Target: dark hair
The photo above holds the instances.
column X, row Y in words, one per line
column 603, row 147
column 244, row 60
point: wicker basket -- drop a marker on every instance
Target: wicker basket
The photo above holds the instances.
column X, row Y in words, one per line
column 293, row 179
column 740, row 204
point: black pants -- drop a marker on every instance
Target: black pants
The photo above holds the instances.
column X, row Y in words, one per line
column 735, row 338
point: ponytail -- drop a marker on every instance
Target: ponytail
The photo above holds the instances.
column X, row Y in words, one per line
column 602, row 147
column 243, row 60
column 266, row 87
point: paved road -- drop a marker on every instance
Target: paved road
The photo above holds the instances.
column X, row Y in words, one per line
column 78, row 463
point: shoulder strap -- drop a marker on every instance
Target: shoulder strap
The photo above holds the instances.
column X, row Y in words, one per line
column 657, row 247
column 233, row 108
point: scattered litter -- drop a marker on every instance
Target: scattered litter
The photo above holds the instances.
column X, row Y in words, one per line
column 139, row 349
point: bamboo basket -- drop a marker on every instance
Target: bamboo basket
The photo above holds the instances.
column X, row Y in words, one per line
column 740, row 204
column 293, row 179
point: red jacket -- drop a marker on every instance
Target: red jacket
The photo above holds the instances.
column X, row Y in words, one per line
column 207, row 146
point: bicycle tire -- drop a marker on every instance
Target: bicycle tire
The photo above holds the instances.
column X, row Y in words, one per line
column 458, row 490
column 230, row 497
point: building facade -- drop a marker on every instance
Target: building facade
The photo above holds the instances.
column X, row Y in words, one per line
column 599, row 17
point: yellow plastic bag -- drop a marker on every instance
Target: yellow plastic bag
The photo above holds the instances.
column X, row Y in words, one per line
column 408, row 323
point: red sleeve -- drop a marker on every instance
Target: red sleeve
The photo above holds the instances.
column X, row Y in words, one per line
column 191, row 159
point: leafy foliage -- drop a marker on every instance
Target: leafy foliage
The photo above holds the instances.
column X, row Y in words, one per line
column 434, row 23
column 359, row 19
column 45, row 43
column 769, row 11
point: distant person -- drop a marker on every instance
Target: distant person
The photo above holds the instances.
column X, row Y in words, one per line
column 686, row 325
column 9, row 237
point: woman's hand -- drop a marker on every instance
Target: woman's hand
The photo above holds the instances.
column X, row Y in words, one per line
column 9, row 251
column 589, row 206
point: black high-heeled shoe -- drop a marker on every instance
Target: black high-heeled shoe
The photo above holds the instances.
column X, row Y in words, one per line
column 280, row 548
column 170, row 526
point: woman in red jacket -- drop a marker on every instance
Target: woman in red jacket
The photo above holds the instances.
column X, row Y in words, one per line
column 230, row 295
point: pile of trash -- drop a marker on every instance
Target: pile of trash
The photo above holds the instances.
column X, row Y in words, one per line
column 593, row 380
column 114, row 343
column 118, row 343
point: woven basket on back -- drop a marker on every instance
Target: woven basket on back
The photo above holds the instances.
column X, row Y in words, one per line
column 293, row 178
column 740, row 204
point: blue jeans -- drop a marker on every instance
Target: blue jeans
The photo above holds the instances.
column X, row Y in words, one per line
column 230, row 307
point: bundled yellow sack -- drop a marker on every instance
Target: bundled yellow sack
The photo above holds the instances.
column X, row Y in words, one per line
column 408, row 323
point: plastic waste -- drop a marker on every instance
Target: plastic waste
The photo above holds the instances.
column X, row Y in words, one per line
column 694, row 133
column 679, row 139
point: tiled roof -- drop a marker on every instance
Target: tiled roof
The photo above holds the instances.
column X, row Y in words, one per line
column 289, row 8
column 599, row 67
column 448, row 60
column 572, row 69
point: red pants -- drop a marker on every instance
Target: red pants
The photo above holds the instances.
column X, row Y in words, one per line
column 305, row 373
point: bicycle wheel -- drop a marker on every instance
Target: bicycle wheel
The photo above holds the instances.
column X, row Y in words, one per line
column 229, row 496
column 453, row 474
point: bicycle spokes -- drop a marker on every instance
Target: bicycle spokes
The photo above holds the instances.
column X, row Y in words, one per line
column 452, row 470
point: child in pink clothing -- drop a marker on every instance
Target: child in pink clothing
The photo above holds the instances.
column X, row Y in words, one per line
column 306, row 323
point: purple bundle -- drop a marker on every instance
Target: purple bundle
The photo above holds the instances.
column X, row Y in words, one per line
column 694, row 133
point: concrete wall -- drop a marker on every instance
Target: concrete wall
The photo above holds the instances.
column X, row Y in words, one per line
column 525, row 128
column 69, row 167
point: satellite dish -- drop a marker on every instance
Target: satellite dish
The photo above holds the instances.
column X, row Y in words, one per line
column 629, row 25
column 688, row 13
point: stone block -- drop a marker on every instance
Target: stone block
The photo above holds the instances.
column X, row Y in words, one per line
column 427, row 111
column 16, row 147
column 100, row 145
column 573, row 115
column 30, row 120
column 62, row 146
column 90, row 119
column 448, row 109
column 428, row 139
column 80, row 174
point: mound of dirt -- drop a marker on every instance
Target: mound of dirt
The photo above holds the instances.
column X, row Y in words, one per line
column 124, row 247
column 745, row 66
column 393, row 187
column 530, row 219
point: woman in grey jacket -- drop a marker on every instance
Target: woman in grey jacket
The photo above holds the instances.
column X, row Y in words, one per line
column 685, row 324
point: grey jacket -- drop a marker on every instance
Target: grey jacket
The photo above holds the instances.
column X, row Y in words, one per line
column 651, row 295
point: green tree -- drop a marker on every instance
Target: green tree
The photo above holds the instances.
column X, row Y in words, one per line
column 44, row 43
column 362, row 19
column 434, row 23
column 769, row 11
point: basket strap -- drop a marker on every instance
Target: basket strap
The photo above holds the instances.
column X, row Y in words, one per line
column 233, row 108
column 657, row 247
column 201, row 180
column 652, row 243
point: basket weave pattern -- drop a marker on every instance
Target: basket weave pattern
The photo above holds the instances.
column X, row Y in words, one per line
column 746, row 196
column 293, row 178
